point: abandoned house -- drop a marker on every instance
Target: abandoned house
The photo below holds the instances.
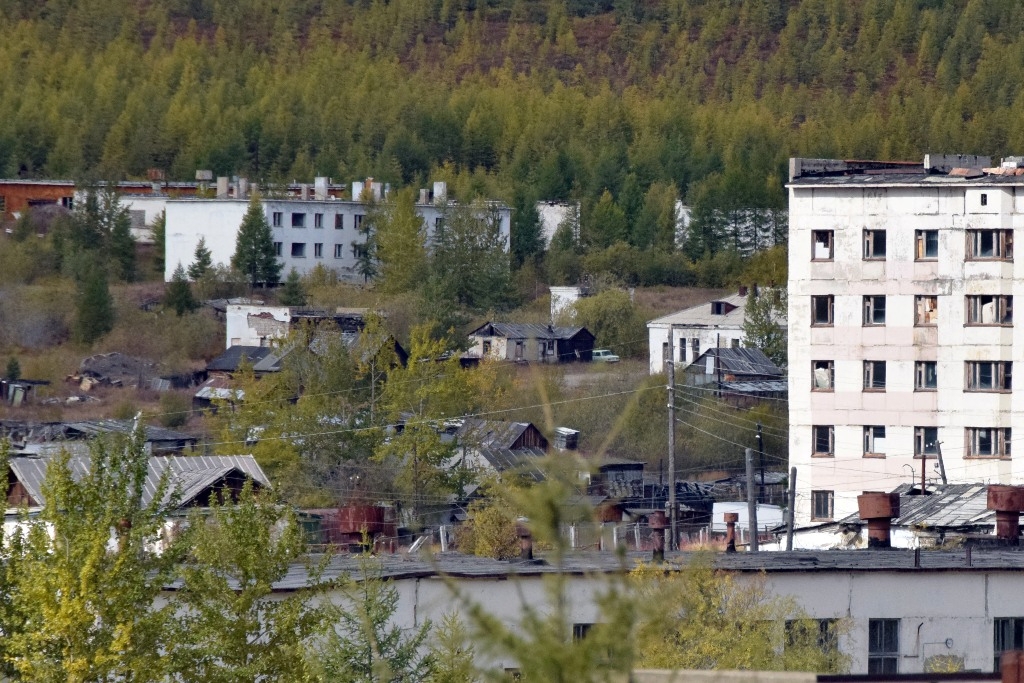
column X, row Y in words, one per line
column 531, row 343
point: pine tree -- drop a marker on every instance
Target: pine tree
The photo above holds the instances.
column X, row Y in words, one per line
column 122, row 244
column 179, row 293
column 13, row 369
column 95, row 309
column 204, row 259
column 254, row 248
column 159, row 242
column 292, row 292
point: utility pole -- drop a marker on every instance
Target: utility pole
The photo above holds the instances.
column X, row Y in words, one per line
column 792, row 508
column 942, row 467
column 760, row 453
column 751, row 501
column 671, row 370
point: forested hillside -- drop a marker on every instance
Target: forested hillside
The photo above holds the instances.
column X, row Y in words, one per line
column 520, row 99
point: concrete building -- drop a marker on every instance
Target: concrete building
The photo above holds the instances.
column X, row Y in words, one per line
column 716, row 324
column 311, row 230
column 902, row 279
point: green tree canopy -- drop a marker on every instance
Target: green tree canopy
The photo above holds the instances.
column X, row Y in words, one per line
column 178, row 296
column 255, row 256
column 202, row 263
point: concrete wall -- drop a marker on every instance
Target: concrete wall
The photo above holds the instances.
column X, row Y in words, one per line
column 255, row 325
column 219, row 219
column 707, row 338
column 900, row 210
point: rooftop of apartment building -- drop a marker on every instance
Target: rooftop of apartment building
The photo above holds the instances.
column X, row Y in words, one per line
column 933, row 169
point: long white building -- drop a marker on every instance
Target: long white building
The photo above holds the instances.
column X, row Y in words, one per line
column 306, row 232
column 902, row 342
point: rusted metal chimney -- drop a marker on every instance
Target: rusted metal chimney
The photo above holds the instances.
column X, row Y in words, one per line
column 730, row 531
column 525, row 539
column 1008, row 502
column 658, row 523
column 878, row 508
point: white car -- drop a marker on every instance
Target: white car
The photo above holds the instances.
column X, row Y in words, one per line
column 604, row 356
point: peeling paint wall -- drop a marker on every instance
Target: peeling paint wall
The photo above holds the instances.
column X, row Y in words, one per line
column 951, row 208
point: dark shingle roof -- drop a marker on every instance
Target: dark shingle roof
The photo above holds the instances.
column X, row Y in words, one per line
column 526, row 331
column 490, row 433
column 232, row 358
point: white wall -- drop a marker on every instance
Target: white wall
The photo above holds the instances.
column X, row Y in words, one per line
column 240, row 329
column 707, row 338
column 900, row 210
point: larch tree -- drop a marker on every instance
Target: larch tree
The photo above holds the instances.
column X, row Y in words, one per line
column 401, row 244
column 763, row 323
column 203, row 260
column 254, row 247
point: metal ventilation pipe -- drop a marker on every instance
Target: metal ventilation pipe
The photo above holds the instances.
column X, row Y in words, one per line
column 878, row 508
column 730, row 531
column 1008, row 502
column 658, row 523
column 525, row 540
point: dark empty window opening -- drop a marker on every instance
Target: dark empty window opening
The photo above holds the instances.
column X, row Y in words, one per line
column 298, row 220
column 883, row 646
column 298, row 250
column 984, row 199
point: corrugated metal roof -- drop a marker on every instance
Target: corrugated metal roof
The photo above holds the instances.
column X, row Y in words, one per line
column 189, row 475
column 102, row 426
column 521, row 459
column 701, row 316
column 490, row 433
column 765, row 386
column 745, row 360
column 952, row 506
column 526, row 331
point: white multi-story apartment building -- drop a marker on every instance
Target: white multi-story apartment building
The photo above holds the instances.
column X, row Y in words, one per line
column 902, row 278
column 306, row 232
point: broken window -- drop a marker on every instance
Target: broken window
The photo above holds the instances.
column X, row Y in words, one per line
column 883, row 646
column 874, row 375
column 318, row 220
column 925, row 375
column 989, row 309
column 823, row 375
column 339, row 221
column 989, row 375
column 298, row 220
column 695, row 348
column 926, row 245
column 824, row 439
column 822, row 245
column 318, row 250
column 874, row 244
column 822, row 504
column 874, row 310
column 298, row 250
column 276, row 218
column 874, row 440
column 1008, row 634
column 278, row 246
column 357, row 221
column 926, row 310
column 990, row 244
column 988, row 442
column 926, row 441
column 339, row 251
column 821, row 310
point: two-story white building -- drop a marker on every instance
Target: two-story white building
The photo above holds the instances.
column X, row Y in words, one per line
column 902, row 341
column 307, row 232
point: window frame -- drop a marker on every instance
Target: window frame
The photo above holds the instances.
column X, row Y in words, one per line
column 871, row 372
column 922, row 441
column 826, row 299
column 926, row 310
column 278, row 248
column 874, row 242
column 1002, row 244
column 999, row 440
column 357, row 221
column 816, row 440
column 298, row 219
column 921, row 243
column 830, row 367
column 921, row 368
column 339, row 221
column 872, row 310
column 1000, row 636
column 871, row 436
column 318, row 221
column 277, row 219
column 339, row 251
column 318, row 250
column 1000, row 376
column 829, row 244
column 823, row 500
column 301, row 250
column 975, row 304
column 883, row 646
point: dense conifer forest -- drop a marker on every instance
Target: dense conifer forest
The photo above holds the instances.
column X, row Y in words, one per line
column 517, row 99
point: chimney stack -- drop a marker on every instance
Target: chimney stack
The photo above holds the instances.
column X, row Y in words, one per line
column 525, row 539
column 730, row 531
column 878, row 508
column 658, row 524
column 1008, row 502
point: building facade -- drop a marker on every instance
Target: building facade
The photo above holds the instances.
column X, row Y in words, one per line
column 902, row 278
column 306, row 232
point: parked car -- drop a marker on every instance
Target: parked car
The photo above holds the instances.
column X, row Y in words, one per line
column 604, row 356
